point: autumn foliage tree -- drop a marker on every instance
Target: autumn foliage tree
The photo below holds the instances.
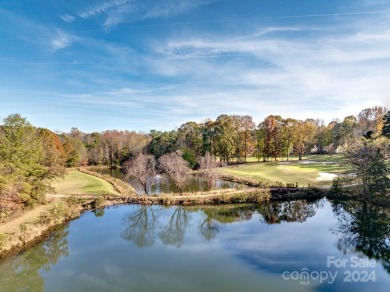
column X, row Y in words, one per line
column 226, row 138
column 304, row 137
column 29, row 159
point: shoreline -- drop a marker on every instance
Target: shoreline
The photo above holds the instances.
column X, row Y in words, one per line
column 39, row 231
column 71, row 207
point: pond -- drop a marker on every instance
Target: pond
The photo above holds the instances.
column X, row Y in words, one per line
column 284, row 246
column 163, row 184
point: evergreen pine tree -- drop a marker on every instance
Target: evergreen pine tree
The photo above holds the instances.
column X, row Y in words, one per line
column 386, row 125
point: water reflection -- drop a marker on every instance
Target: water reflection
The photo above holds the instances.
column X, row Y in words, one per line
column 289, row 211
column 253, row 243
column 163, row 184
column 209, row 227
column 140, row 226
column 145, row 223
column 99, row 212
column 363, row 229
column 214, row 216
column 174, row 231
column 22, row 272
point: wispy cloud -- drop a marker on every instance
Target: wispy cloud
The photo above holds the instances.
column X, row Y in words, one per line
column 102, row 7
column 120, row 11
column 68, row 18
column 61, row 40
column 143, row 76
column 50, row 39
column 331, row 71
column 157, row 9
column 257, row 73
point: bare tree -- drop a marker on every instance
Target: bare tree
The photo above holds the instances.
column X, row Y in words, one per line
column 143, row 169
column 208, row 165
column 176, row 168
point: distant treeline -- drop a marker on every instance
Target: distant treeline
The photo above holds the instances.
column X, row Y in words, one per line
column 31, row 157
column 231, row 138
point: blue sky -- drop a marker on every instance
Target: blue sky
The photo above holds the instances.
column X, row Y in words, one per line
column 141, row 65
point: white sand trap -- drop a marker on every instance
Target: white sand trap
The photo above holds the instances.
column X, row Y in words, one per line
column 306, row 161
column 326, row 176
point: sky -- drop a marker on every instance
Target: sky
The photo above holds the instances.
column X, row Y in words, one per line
column 156, row 64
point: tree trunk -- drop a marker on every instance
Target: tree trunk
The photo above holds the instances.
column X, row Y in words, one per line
column 288, row 148
column 245, row 149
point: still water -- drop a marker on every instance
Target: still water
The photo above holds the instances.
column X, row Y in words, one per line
column 282, row 246
column 163, row 184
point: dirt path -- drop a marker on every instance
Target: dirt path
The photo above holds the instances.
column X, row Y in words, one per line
column 28, row 217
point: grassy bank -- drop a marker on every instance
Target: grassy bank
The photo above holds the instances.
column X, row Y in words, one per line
column 35, row 224
column 73, row 193
column 82, row 184
column 226, row 196
column 316, row 170
column 23, row 231
column 120, row 186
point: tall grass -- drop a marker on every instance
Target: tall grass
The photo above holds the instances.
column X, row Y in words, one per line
column 227, row 196
column 3, row 240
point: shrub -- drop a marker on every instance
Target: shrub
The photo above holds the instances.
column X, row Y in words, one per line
column 57, row 213
column 23, row 227
column 3, row 240
column 74, row 201
column 99, row 201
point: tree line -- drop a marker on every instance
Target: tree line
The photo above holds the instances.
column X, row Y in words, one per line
column 31, row 157
column 231, row 138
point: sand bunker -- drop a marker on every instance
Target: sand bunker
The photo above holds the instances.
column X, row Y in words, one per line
column 326, row 176
column 306, row 161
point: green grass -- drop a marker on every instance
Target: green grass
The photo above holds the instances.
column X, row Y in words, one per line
column 78, row 183
column 303, row 172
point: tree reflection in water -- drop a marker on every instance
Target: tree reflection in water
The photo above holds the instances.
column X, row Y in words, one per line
column 289, row 211
column 22, row 273
column 140, row 226
column 174, row 231
column 209, row 228
column 363, row 229
column 226, row 214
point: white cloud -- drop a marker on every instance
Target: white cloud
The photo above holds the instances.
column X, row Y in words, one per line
column 157, row 9
column 267, row 30
column 333, row 73
column 67, row 18
column 101, row 8
column 119, row 11
column 60, row 41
